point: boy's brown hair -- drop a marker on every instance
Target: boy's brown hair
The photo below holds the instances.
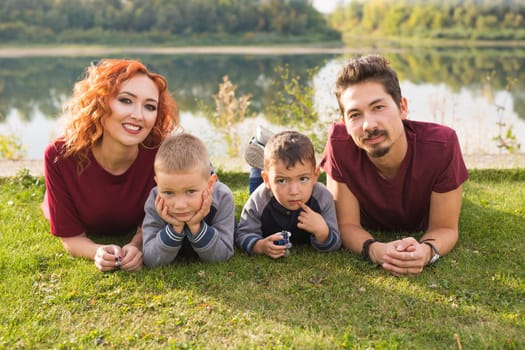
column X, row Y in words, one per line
column 182, row 152
column 289, row 147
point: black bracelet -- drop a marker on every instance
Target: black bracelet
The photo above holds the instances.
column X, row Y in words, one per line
column 433, row 250
column 365, row 251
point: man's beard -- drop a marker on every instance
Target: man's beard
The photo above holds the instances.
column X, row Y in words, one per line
column 376, row 152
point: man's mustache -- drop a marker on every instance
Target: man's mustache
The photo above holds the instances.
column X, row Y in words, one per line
column 374, row 133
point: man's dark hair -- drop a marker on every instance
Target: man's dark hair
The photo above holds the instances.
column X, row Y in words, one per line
column 364, row 69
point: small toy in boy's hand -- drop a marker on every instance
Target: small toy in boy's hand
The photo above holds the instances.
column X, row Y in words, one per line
column 285, row 241
column 118, row 262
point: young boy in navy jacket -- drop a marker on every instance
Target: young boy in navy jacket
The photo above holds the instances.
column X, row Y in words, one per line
column 290, row 200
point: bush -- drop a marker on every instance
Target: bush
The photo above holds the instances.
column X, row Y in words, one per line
column 11, row 147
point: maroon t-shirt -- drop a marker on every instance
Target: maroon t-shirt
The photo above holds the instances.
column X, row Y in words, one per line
column 95, row 201
column 433, row 163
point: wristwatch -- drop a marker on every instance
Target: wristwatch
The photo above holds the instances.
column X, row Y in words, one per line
column 365, row 251
column 435, row 253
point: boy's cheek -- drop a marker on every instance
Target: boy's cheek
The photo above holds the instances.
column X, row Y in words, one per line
column 199, row 203
column 163, row 197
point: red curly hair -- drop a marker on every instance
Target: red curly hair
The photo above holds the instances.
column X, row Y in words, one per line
column 90, row 102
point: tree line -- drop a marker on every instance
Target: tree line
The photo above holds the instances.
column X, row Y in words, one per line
column 433, row 19
column 184, row 22
column 52, row 21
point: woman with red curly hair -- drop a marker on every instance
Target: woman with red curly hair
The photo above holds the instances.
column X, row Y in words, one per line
column 99, row 174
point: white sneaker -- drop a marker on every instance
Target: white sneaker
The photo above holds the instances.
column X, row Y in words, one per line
column 254, row 154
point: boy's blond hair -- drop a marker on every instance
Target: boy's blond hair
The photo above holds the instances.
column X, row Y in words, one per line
column 182, row 152
column 289, row 147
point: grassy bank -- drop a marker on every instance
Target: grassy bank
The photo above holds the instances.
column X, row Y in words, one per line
column 379, row 41
column 474, row 298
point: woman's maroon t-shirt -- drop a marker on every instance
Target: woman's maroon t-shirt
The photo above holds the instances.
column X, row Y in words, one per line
column 95, row 201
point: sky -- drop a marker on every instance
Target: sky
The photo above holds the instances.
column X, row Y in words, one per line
column 325, row 6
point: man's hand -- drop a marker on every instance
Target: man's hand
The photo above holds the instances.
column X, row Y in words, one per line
column 402, row 257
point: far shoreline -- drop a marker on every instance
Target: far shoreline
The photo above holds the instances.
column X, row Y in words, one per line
column 365, row 44
column 54, row 51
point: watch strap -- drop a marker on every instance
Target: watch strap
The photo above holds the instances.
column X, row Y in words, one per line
column 435, row 252
column 365, row 251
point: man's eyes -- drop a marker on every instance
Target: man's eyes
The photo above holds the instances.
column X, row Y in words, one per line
column 353, row 115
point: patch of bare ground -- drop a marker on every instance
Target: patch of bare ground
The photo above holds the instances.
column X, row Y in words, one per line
column 501, row 161
column 12, row 167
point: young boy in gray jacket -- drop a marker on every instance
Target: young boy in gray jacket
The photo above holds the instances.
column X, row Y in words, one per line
column 290, row 200
column 189, row 212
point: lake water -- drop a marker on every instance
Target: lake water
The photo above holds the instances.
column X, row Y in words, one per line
column 478, row 92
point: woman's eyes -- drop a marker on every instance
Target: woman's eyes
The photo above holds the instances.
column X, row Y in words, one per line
column 151, row 107
column 148, row 106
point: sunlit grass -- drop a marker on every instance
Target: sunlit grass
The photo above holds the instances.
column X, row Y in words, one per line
column 473, row 298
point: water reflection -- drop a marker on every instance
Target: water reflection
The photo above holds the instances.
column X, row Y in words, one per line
column 476, row 117
column 460, row 88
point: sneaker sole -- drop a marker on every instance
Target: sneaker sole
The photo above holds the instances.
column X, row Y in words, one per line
column 254, row 156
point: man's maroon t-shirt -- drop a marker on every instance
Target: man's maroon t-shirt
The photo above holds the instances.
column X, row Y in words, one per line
column 433, row 163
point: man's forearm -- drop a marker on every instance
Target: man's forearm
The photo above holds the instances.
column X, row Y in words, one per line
column 444, row 239
column 353, row 237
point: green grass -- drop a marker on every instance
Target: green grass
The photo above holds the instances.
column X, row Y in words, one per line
column 473, row 298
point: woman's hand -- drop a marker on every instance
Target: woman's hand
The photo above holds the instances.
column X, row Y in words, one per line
column 108, row 257
column 131, row 258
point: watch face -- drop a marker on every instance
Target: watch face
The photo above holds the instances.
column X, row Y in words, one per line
column 434, row 258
